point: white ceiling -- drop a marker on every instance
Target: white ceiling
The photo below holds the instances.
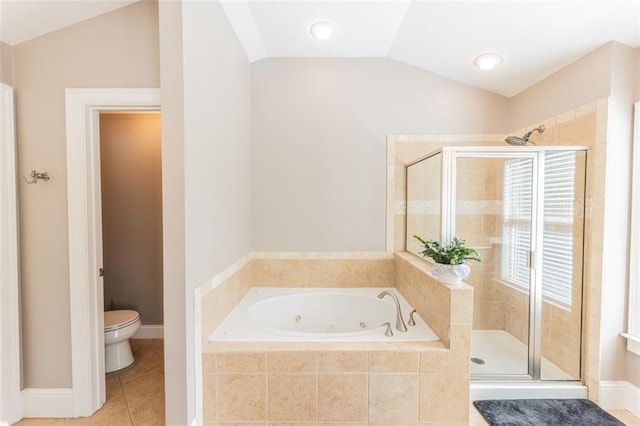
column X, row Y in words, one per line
column 23, row 20
column 535, row 38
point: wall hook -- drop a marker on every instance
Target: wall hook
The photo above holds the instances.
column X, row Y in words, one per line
column 35, row 176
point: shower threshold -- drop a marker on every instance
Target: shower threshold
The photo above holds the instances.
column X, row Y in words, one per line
column 526, row 390
column 496, row 352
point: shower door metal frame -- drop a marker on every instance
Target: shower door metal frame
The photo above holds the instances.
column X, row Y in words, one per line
column 450, row 155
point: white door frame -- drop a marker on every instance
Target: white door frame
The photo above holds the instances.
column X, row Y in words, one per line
column 83, row 108
column 10, row 401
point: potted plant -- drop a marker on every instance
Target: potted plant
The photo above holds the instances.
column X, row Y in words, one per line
column 450, row 259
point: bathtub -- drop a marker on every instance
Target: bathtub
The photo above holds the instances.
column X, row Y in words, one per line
column 272, row 314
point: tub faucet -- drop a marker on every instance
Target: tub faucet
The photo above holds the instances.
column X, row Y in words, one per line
column 400, row 325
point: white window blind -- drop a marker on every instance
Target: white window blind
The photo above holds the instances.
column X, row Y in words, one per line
column 557, row 247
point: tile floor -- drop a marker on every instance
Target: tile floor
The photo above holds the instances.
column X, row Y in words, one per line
column 135, row 395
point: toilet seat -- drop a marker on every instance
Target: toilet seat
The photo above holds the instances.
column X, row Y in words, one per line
column 114, row 320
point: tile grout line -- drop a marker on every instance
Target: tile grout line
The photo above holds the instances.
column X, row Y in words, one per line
column 126, row 403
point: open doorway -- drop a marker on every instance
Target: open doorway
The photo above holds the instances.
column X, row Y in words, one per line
column 83, row 110
column 131, row 211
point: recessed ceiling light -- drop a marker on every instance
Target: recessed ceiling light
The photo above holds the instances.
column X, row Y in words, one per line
column 322, row 30
column 488, row 61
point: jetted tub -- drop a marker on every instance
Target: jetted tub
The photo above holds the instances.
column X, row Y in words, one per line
column 272, row 314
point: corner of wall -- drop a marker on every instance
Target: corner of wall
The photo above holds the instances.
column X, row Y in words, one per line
column 6, row 64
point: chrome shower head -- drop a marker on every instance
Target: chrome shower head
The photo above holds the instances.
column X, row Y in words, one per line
column 514, row 140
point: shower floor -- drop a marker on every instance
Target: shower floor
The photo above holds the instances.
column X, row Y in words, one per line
column 503, row 354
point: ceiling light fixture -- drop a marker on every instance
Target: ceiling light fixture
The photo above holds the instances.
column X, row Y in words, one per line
column 488, row 61
column 322, row 30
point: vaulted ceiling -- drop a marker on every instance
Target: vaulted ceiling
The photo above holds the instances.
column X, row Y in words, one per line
column 534, row 38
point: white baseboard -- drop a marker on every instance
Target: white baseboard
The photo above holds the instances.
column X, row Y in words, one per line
column 150, row 332
column 47, row 403
column 633, row 399
column 619, row 395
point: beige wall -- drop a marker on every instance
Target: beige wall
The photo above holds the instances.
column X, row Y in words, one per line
column 173, row 230
column 117, row 49
column 6, row 64
column 633, row 360
column 319, row 130
column 131, row 179
column 585, row 80
column 209, row 139
column 617, row 199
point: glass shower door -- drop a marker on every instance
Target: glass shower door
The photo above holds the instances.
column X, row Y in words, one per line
column 495, row 213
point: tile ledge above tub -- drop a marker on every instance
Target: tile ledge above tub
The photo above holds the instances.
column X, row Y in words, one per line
column 425, row 267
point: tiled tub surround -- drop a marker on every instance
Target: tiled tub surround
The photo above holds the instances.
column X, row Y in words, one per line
column 345, row 382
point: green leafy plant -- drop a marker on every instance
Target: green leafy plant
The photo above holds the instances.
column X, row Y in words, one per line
column 453, row 253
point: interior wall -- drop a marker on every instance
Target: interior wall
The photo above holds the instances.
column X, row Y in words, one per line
column 215, row 90
column 6, row 64
column 319, row 130
column 173, row 195
column 117, row 49
column 579, row 83
column 131, row 179
column 617, row 219
column 633, row 360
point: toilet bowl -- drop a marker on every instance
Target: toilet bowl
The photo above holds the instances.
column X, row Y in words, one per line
column 119, row 326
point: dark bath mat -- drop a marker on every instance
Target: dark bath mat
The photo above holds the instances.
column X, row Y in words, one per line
column 544, row 412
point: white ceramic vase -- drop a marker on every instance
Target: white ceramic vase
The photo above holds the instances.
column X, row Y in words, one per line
column 450, row 274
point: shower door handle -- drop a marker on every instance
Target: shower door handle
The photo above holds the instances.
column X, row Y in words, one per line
column 531, row 259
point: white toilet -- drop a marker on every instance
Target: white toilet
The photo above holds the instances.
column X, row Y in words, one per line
column 119, row 326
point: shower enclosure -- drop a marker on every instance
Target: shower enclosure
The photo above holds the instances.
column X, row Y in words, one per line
column 523, row 209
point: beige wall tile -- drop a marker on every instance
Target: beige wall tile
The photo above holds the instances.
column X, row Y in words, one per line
column 242, row 397
column 461, row 310
column 438, row 361
column 343, row 424
column 209, row 398
column 208, row 363
column 352, row 272
column 342, row 362
column 393, row 397
column 263, row 272
column 291, row 424
column 320, row 273
column 460, row 338
column 293, row 397
column 292, row 362
column 389, row 362
column 241, row 362
column 380, row 272
column 343, row 397
column 444, row 397
column 393, row 424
